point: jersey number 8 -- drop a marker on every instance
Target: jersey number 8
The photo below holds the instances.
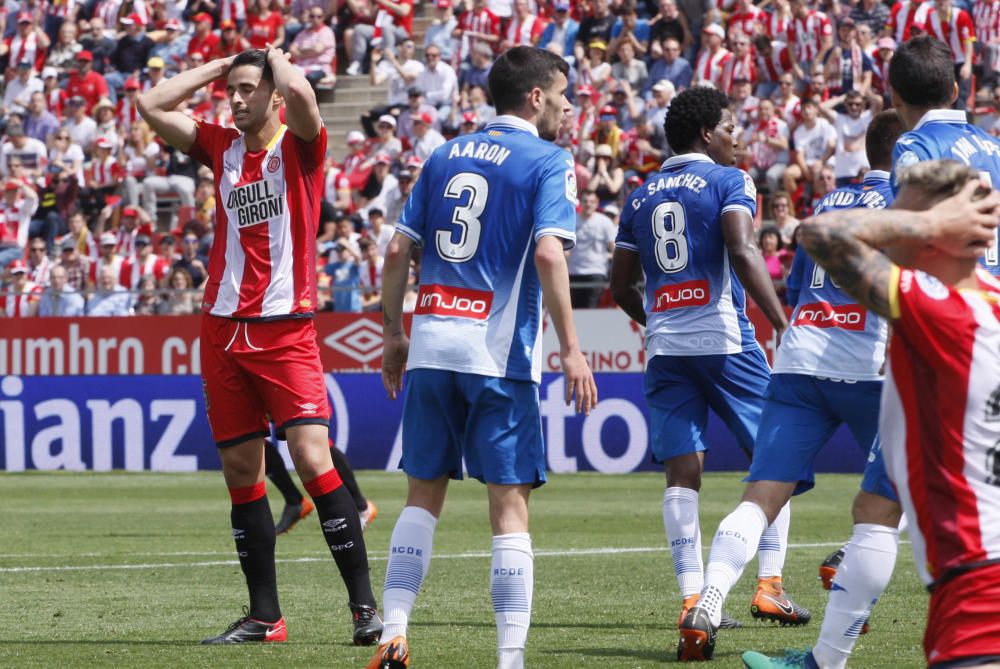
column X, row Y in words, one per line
column 465, row 217
column 671, row 244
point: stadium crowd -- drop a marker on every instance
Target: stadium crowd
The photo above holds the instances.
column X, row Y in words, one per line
column 99, row 217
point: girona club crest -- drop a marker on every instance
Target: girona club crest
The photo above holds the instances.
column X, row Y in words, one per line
column 273, row 163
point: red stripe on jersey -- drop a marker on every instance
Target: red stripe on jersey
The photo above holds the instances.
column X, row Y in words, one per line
column 304, row 175
column 931, row 373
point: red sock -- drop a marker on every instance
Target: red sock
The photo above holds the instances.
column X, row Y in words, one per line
column 323, row 484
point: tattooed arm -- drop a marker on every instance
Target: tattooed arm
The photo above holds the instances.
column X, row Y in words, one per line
column 846, row 242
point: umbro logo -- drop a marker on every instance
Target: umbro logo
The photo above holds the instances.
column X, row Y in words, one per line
column 237, row 534
column 309, row 407
column 334, row 525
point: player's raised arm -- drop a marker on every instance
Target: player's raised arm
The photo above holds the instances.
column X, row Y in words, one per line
column 847, row 243
column 301, row 110
column 158, row 106
column 748, row 263
column 550, row 261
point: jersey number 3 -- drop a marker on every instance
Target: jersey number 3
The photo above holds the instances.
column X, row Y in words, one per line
column 466, row 217
column 671, row 244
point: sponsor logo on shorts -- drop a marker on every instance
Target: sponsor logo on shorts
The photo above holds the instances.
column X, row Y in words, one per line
column 679, row 295
column 309, row 407
column 438, row 300
column 824, row 315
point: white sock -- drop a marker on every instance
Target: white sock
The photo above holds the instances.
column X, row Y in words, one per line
column 512, row 578
column 734, row 545
column 680, row 521
column 861, row 579
column 774, row 544
column 409, row 559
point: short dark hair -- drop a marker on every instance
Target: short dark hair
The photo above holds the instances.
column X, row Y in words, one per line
column 880, row 138
column 770, row 230
column 922, row 72
column 520, row 70
column 691, row 112
column 257, row 58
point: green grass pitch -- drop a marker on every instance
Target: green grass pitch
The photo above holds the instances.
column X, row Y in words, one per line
column 130, row 569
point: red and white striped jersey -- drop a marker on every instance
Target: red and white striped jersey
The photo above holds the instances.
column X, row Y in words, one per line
column 956, row 30
column 335, row 181
column 125, row 246
column 777, row 64
column 904, row 16
column 806, row 35
column 263, row 259
column 777, row 26
column 790, row 108
column 14, row 221
column 26, row 49
column 40, row 273
column 485, row 22
column 233, row 10
column 940, row 418
column 747, row 21
column 18, row 303
column 101, row 263
column 370, row 275
column 133, row 269
column 126, row 114
column 108, row 11
column 738, row 68
column 62, row 8
column 709, row 66
column 107, row 172
column 524, row 33
column 986, row 19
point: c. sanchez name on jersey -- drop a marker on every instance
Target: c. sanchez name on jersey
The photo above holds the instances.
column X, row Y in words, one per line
column 946, row 133
column 695, row 304
column 829, row 333
column 480, row 205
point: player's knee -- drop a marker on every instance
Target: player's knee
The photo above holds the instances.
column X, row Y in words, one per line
column 770, row 496
column 874, row 509
column 684, row 472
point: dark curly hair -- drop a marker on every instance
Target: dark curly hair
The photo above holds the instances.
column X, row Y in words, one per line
column 690, row 112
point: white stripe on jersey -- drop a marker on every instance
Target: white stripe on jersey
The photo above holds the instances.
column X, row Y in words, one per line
column 228, row 299
column 727, row 310
column 280, row 291
column 507, row 323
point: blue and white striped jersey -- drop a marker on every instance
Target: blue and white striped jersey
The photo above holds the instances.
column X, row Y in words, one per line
column 481, row 203
column 829, row 333
column 695, row 304
column 945, row 133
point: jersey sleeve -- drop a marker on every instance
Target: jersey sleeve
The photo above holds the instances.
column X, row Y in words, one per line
column 626, row 232
column 311, row 154
column 738, row 193
column 210, row 140
column 555, row 200
column 924, row 311
column 413, row 221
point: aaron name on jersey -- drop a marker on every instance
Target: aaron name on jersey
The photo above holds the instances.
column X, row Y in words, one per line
column 254, row 203
column 494, row 153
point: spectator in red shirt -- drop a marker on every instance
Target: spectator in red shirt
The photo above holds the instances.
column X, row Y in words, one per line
column 264, row 25
column 29, row 43
column 145, row 262
column 480, row 26
column 204, row 41
column 86, row 83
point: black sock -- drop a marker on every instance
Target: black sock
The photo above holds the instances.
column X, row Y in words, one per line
column 342, row 531
column 253, row 531
column 343, row 468
column 275, row 468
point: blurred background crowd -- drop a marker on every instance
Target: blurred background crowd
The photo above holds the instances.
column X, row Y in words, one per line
column 99, row 217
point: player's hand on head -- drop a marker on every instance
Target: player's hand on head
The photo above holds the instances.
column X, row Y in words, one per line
column 395, row 351
column 963, row 226
column 579, row 381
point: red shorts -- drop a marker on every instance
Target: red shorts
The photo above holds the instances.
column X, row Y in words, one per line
column 964, row 618
column 260, row 371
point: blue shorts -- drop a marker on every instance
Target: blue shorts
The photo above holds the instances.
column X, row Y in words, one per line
column 681, row 389
column 494, row 423
column 801, row 414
